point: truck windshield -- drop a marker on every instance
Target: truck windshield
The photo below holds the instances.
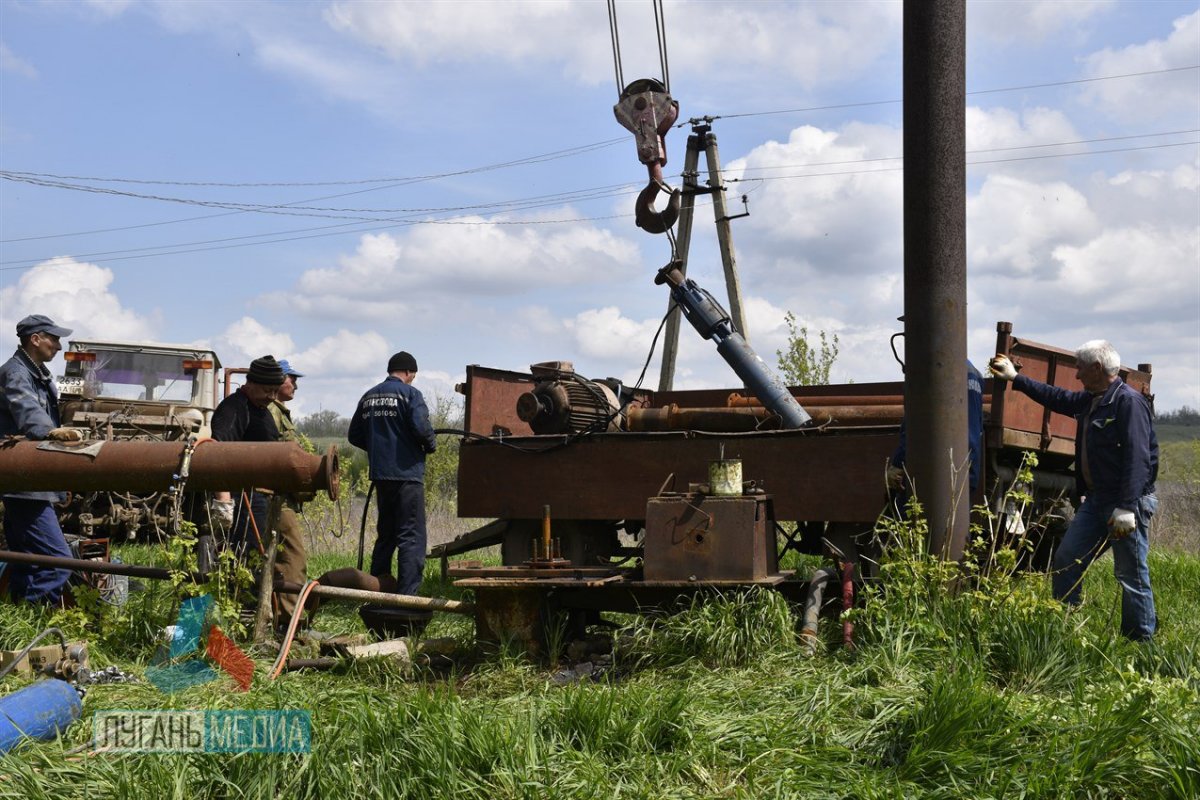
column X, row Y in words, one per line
column 134, row 376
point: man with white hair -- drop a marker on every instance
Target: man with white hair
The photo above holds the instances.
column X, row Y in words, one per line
column 1116, row 464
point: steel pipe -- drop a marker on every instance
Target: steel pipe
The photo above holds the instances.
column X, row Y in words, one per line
column 153, row 466
column 750, row 418
column 382, row 598
column 86, row 565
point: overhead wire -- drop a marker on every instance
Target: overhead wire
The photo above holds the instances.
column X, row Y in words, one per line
column 868, row 103
column 356, row 223
column 235, row 242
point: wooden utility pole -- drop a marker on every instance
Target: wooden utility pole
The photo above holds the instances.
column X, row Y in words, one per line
column 702, row 139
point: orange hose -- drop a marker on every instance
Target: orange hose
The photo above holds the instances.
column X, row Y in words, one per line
column 293, row 626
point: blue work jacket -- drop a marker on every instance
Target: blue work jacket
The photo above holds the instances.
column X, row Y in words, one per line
column 392, row 424
column 28, row 407
column 1122, row 449
column 974, row 428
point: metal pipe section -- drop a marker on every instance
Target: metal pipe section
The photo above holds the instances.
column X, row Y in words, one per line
column 749, row 418
column 935, row 263
column 86, row 565
column 154, row 466
column 382, row 598
column 814, row 600
column 712, row 322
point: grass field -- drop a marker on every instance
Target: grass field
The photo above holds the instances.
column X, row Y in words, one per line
column 995, row 693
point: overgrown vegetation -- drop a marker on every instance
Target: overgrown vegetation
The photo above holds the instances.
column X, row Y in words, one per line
column 990, row 691
column 804, row 362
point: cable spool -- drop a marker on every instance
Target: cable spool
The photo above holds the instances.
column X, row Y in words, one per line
column 563, row 402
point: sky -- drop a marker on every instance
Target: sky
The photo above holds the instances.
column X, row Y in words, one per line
column 331, row 182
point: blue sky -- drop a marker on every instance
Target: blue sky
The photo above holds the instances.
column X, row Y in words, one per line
column 1100, row 238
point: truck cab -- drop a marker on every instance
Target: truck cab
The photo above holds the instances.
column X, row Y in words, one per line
column 138, row 390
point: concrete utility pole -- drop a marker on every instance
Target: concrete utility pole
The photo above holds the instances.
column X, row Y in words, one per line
column 935, row 278
column 702, row 139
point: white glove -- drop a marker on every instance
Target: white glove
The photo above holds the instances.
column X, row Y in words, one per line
column 65, row 435
column 895, row 477
column 1002, row 368
column 1121, row 523
column 222, row 512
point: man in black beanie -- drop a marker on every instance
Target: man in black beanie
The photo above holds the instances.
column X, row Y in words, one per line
column 245, row 416
column 392, row 424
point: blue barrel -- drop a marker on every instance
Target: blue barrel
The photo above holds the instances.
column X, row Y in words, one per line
column 38, row 711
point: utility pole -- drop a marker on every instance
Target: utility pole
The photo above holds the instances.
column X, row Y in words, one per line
column 935, row 258
column 702, row 139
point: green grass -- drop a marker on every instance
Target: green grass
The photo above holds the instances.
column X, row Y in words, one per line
column 990, row 694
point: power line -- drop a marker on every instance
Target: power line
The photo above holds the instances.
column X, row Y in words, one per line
column 981, row 150
column 402, row 180
column 234, row 242
column 969, row 94
column 395, row 182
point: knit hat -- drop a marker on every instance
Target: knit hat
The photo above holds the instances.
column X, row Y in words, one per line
column 402, row 362
column 266, row 371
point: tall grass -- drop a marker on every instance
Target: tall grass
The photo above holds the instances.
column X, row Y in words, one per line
column 993, row 690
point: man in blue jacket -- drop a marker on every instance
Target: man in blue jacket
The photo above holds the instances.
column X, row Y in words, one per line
column 29, row 408
column 392, row 424
column 1116, row 465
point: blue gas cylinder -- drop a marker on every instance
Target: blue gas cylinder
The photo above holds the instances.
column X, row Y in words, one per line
column 38, row 711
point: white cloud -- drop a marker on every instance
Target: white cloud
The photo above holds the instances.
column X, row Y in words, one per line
column 246, row 339
column 345, row 353
column 1013, row 223
column 839, row 39
column 11, row 62
column 1169, row 96
column 1135, row 270
column 386, row 273
column 1008, row 20
column 76, row 295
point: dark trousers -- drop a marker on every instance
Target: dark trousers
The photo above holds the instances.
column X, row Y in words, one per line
column 31, row 526
column 246, row 520
column 401, row 530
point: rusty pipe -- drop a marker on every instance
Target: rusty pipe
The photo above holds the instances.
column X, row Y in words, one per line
column 737, row 400
column 152, row 467
column 86, row 565
column 750, row 418
column 382, row 598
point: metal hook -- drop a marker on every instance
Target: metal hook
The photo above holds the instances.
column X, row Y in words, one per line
column 650, row 219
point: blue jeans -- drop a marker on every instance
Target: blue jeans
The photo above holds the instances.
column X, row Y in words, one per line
column 401, row 529
column 1087, row 538
column 31, row 526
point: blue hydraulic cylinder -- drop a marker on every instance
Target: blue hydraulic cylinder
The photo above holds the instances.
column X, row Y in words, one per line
column 40, row 711
column 712, row 322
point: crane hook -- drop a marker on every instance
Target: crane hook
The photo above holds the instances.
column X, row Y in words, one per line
column 647, row 217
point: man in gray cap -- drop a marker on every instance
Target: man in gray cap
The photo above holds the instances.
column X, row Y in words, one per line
column 29, row 408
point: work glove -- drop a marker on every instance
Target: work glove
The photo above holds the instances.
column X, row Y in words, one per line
column 1121, row 523
column 222, row 513
column 1002, row 368
column 895, row 477
column 65, row 435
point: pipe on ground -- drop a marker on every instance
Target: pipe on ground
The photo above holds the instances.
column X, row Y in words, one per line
column 812, row 605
